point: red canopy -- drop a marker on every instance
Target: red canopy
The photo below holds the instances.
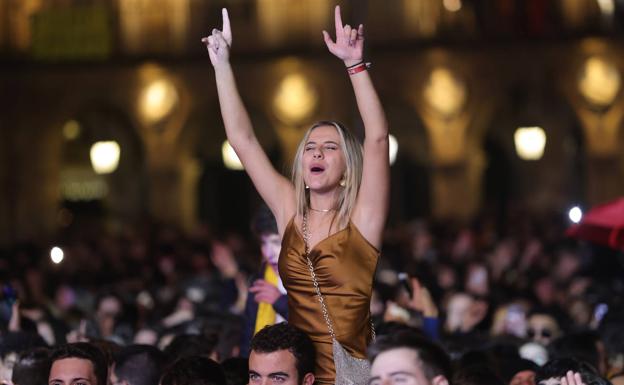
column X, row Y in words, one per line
column 603, row 224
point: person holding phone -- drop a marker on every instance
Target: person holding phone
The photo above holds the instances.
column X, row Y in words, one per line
column 334, row 208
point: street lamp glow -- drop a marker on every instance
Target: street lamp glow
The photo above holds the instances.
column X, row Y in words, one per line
column 57, row 255
column 105, row 157
column 393, row 148
column 230, row 159
column 575, row 214
column 530, row 142
column 452, row 5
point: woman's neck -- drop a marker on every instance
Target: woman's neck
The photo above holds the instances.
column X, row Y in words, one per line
column 323, row 202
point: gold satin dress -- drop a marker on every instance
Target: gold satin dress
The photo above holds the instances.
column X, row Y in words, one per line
column 344, row 264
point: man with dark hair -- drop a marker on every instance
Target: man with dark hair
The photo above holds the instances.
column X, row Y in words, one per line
column 408, row 357
column 32, row 367
column 185, row 345
column 282, row 353
column 81, row 361
column 557, row 372
column 584, row 346
column 11, row 345
column 137, row 365
column 267, row 303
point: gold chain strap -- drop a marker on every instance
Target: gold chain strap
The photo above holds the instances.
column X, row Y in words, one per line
column 306, row 239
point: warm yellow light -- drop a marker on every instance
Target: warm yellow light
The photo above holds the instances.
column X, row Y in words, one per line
column 105, row 157
column 393, row 148
column 530, row 142
column 158, row 100
column 295, row 99
column 230, row 159
column 71, row 130
column 600, row 81
column 452, row 5
column 607, row 7
column 444, row 92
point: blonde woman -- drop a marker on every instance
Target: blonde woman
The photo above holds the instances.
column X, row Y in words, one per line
column 332, row 213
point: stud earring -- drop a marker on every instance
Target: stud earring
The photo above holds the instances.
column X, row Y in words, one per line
column 307, row 187
column 343, row 182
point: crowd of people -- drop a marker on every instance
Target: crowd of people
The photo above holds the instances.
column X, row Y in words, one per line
column 321, row 293
column 508, row 306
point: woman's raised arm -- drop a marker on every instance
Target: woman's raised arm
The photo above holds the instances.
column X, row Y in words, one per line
column 274, row 188
column 371, row 208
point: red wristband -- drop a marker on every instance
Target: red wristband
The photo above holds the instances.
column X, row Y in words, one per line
column 358, row 68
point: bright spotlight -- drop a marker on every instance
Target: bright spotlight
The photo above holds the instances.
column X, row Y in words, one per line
column 105, row 156
column 57, row 255
column 452, row 5
column 230, row 159
column 530, row 142
column 575, row 214
column 393, row 148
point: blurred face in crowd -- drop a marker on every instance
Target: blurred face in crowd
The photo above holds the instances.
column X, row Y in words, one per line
column 6, row 368
column 72, row 371
column 525, row 377
column 270, row 246
column 542, row 328
column 458, row 306
column 401, row 366
column 278, row 367
column 477, row 280
column 545, row 291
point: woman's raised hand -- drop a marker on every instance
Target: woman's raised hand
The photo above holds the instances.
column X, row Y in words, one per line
column 219, row 42
column 349, row 45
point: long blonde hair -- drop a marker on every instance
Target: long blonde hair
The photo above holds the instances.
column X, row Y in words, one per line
column 352, row 151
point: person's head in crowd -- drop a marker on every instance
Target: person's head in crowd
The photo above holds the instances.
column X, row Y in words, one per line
column 580, row 312
column 264, row 228
column 32, row 367
column 109, row 307
column 542, row 327
column 137, row 365
column 11, row 345
column 476, row 375
column 81, row 361
column 446, row 276
column 555, row 370
column 464, row 312
column 422, row 241
column 568, row 263
column 146, row 336
column 229, row 330
column 613, row 336
column 408, row 358
column 534, row 352
column 518, row 371
column 283, row 354
column 584, row 346
column 510, row 319
column 194, row 370
column 457, row 306
column 545, row 290
column 236, row 371
column 477, row 280
column 185, row 345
